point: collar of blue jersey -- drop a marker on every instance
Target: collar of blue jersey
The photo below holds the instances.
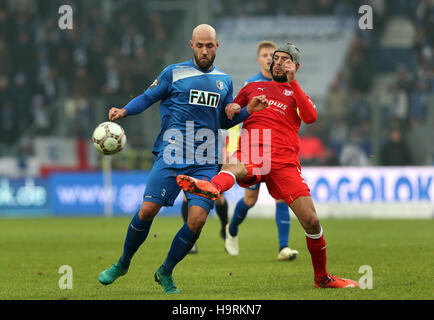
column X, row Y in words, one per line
column 196, row 67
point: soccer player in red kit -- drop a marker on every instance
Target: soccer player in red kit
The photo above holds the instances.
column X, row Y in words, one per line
column 288, row 105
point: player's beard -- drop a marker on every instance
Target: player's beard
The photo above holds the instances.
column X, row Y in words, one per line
column 204, row 65
column 280, row 78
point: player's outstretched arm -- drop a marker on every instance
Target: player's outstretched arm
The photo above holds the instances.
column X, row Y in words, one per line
column 158, row 90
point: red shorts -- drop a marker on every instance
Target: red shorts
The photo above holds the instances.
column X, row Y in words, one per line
column 283, row 181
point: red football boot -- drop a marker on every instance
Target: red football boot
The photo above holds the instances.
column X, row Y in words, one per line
column 335, row 282
column 201, row 188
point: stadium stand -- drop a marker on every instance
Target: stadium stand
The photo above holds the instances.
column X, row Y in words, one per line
column 51, row 81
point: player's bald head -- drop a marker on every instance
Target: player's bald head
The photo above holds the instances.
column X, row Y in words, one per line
column 204, row 44
column 204, row 31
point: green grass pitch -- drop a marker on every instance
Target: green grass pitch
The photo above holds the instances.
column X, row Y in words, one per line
column 400, row 253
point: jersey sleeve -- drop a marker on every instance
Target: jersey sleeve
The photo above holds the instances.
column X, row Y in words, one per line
column 230, row 95
column 307, row 109
column 158, row 90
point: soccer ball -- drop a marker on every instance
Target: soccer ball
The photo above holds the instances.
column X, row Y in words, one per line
column 109, row 138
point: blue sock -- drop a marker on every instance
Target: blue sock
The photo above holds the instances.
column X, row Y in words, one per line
column 283, row 222
column 137, row 233
column 240, row 214
column 181, row 245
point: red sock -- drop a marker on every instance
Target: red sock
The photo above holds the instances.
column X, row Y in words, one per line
column 224, row 181
column 317, row 248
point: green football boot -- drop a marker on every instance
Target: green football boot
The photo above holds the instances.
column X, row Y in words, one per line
column 166, row 281
column 111, row 274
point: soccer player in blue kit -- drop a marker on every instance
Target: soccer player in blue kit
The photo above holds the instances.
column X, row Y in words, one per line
column 265, row 52
column 195, row 96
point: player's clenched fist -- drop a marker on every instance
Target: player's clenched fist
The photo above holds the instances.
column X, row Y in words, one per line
column 257, row 103
column 116, row 113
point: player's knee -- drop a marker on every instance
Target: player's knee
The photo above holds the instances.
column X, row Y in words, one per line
column 312, row 224
column 148, row 211
column 250, row 200
column 238, row 170
column 196, row 223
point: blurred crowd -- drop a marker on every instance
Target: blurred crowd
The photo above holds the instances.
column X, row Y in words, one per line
column 344, row 135
column 116, row 52
column 99, row 57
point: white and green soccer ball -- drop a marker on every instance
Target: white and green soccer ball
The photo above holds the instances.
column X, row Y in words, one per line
column 109, row 138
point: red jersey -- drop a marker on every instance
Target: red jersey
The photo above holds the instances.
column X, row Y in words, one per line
column 288, row 106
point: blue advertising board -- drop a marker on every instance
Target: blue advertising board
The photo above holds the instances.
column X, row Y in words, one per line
column 26, row 197
column 85, row 193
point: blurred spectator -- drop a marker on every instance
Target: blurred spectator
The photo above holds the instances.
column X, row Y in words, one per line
column 330, row 157
column 81, row 85
column 311, row 150
column 20, row 98
column 339, row 132
column 360, row 78
column 337, row 100
column 52, row 86
column 40, row 115
column 132, row 40
column 352, row 153
column 419, row 103
column 395, row 151
column 141, row 73
column 358, row 109
column 8, row 115
column 24, row 55
column 5, row 57
column 395, row 104
column 112, row 78
column 403, row 78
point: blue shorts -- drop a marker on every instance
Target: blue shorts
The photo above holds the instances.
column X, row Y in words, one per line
column 161, row 187
column 254, row 187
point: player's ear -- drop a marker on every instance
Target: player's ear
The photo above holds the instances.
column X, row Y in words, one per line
column 297, row 66
column 217, row 44
column 191, row 44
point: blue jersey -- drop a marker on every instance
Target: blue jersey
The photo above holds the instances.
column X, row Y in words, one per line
column 257, row 77
column 191, row 111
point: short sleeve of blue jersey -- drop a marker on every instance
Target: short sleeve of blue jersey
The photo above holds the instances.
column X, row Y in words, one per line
column 158, row 90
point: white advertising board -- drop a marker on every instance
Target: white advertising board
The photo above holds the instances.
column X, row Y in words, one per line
column 349, row 192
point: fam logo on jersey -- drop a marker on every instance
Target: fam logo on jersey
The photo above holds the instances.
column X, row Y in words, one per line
column 204, row 98
column 288, row 93
column 220, row 85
